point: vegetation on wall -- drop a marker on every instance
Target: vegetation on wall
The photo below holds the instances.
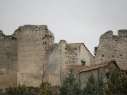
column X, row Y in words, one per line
column 83, row 62
column 21, row 90
column 45, row 89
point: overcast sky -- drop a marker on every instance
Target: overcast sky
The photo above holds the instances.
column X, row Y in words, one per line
column 72, row 20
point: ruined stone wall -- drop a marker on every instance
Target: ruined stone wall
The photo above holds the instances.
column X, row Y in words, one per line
column 34, row 45
column 75, row 53
column 112, row 47
column 56, row 62
column 66, row 53
column 29, row 56
column 85, row 56
column 8, row 60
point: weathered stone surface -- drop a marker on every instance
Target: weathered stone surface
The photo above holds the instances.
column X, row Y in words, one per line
column 8, row 60
column 34, row 44
column 66, row 53
column 112, row 47
column 30, row 56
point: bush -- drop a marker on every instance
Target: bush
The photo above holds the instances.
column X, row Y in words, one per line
column 70, row 86
column 45, row 89
column 21, row 90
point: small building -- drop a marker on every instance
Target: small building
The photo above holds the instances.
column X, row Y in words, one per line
column 100, row 71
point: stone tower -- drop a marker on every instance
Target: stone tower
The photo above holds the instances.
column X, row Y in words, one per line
column 112, row 47
column 8, row 60
column 34, row 43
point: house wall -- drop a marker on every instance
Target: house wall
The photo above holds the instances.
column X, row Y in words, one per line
column 99, row 73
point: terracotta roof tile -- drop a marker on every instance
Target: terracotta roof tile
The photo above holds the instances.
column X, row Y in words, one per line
column 122, row 66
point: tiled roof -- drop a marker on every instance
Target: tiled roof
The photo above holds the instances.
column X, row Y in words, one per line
column 82, row 68
column 93, row 67
column 122, row 66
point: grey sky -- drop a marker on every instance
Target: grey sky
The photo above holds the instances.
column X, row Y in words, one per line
column 72, row 20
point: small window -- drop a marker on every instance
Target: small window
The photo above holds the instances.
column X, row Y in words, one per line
column 46, row 35
column 44, row 43
column 75, row 48
column 113, row 56
column 102, row 55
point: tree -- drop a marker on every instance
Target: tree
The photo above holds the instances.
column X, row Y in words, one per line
column 20, row 90
column 100, row 87
column 91, row 87
column 45, row 89
column 124, row 84
column 117, row 83
column 70, row 86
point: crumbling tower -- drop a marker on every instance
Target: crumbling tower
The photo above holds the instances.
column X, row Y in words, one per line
column 33, row 47
column 112, row 47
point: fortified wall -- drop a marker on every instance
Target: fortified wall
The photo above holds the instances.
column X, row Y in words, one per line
column 30, row 56
column 112, row 47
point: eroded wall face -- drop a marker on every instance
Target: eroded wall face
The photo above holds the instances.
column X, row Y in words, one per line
column 84, row 76
column 34, row 44
column 112, row 47
column 85, row 56
column 63, row 54
column 55, row 66
column 8, row 60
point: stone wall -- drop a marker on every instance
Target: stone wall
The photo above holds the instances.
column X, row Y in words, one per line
column 30, row 55
column 8, row 60
column 34, row 45
column 55, row 66
column 84, row 76
column 66, row 53
column 112, row 47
